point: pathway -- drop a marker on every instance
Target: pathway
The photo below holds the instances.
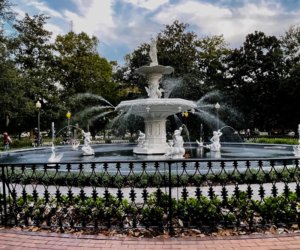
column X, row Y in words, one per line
column 12, row 239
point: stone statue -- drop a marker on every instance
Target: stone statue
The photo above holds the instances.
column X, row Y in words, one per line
column 153, row 52
column 141, row 139
column 153, row 91
column 54, row 157
column 215, row 145
column 177, row 138
column 87, row 149
column 176, row 149
column 75, row 144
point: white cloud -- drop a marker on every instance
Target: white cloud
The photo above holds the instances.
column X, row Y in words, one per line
column 95, row 18
column 148, row 4
column 38, row 6
column 234, row 22
column 43, row 8
column 125, row 24
column 21, row 13
column 55, row 29
column 192, row 11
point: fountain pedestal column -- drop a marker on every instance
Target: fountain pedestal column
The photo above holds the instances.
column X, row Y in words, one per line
column 155, row 142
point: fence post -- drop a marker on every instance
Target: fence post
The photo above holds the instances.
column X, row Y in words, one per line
column 171, row 229
column 3, row 179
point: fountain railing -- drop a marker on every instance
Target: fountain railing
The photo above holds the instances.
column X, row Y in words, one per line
column 172, row 194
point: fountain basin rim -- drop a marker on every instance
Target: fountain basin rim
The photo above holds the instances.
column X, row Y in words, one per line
column 167, row 105
column 229, row 159
column 167, row 160
column 156, row 69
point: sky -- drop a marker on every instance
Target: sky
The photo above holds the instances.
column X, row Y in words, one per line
column 122, row 25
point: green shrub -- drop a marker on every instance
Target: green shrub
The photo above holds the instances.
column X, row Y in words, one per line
column 201, row 212
column 292, row 141
column 22, row 143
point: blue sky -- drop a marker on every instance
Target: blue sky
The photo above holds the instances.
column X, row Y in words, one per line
column 122, row 25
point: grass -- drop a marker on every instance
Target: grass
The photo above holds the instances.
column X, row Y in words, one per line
column 292, row 141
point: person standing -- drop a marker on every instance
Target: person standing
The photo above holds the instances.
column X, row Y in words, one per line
column 6, row 141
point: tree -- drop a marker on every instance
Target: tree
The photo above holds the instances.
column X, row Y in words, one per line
column 291, row 45
column 85, row 78
column 213, row 52
column 198, row 63
column 32, row 54
column 290, row 86
column 179, row 48
column 255, row 72
column 11, row 99
column 80, row 69
column 6, row 13
column 9, row 82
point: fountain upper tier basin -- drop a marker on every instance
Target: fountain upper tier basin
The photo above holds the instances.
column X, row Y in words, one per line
column 159, row 108
column 157, row 69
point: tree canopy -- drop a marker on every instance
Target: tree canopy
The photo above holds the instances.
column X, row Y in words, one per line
column 261, row 78
column 79, row 68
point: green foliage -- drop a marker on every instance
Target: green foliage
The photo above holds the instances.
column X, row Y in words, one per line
column 202, row 212
column 199, row 212
column 22, row 143
column 266, row 68
column 80, row 69
column 292, row 141
column 195, row 61
column 31, row 52
column 256, row 70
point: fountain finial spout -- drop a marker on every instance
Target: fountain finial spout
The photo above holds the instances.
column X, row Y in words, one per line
column 153, row 52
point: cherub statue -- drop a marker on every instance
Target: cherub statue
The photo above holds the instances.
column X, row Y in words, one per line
column 141, row 139
column 176, row 149
column 215, row 145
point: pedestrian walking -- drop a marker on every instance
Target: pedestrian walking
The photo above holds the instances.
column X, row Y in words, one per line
column 6, row 141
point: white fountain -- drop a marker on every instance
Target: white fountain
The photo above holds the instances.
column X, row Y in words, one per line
column 215, row 145
column 86, row 148
column 176, row 149
column 200, row 142
column 155, row 109
column 54, row 158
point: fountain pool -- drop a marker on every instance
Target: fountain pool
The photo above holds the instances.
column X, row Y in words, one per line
column 124, row 152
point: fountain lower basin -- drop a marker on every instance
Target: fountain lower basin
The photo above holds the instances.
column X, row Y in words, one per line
column 123, row 152
column 155, row 112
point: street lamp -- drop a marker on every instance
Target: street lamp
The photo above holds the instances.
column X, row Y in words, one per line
column 185, row 114
column 68, row 115
column 38, row 105
column 217, row 107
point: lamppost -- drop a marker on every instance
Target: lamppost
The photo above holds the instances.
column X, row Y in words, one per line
column 38, row 105
column 185, row 114
column 217, row 107
column 68, row 115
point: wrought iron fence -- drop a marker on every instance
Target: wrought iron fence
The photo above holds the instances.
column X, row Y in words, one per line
column 172, row 194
